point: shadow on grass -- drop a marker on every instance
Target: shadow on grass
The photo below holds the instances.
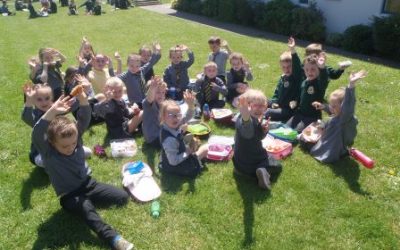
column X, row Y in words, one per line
column 173, row 184
column 150, row 153
column 348, row 169
column 37, row 179
column 65, row 230
column 251, row 194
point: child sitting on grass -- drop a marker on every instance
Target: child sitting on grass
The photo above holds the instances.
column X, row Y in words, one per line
column 341, row 129
column 250, row 157
column 86, row 54
column 176, row 157
column 151, row 111
column 49, row 71
column 134, row 78
column 176, row 74
column 237, row 76
column 220, row 52
column 287, row 91
column 312, row 90
column 121, row 121
column 59, row 141
column 210, row 87
column 146, row 53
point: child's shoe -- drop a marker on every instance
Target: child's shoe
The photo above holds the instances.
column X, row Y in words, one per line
column 263, row 178
column 122, row 244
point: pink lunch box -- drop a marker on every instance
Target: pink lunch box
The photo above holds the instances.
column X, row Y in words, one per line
column 277, row 148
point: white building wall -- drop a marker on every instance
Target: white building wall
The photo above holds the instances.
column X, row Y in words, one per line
column 341, row 14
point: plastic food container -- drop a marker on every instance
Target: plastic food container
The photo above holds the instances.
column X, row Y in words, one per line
column 123, row 148
column 222, row 115
column 219, row 152
column 278, row 149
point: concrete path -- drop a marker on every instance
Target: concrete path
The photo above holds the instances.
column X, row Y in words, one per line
column 248, row 31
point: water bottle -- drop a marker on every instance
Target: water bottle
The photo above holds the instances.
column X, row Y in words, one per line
column 361, row 157
column 155, row 209
column 172, row 93
column 206, row 112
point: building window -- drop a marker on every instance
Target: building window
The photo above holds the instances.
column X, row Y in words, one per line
column 391, row 6
column 303, row 1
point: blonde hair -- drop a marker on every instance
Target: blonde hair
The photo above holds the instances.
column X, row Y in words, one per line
column 114, row 82
column 43, row 88
column 86, row 43
column 209, row 65
column 314, row 48
column 43, row 51
column 255, row 96
column 61, row 127
column 236, row 56
column 286, row 57
column 133, row 57
column 163, row 109
column 175, row 49
column 145, row 48
column 338, row 94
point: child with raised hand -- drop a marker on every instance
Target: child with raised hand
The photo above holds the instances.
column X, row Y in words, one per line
column 59, row 141
column 312, row 90
column 340, row 130
column 220, row 52
column 134, row 78
column 38, row 99
column 49, row 71
column 146, row 53
column 250, row 158
column 316, row 49
column 210, row 86
column 86, row 53
column 101, row 71
column 238, row 76
column 176, row 74
column 151, row 111
column 34, row 66
column 176, row 157
column 121, row 121
column 286, row 94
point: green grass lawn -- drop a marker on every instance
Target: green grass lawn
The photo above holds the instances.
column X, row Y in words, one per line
column 311, row 206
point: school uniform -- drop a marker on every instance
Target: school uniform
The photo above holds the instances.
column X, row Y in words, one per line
column 287, row 90
column 339, row 132
column 220, row 58
column 177, row 76
column 233, row 78
column 209, row 94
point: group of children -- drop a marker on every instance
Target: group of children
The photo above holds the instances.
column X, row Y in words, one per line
column 138, row 100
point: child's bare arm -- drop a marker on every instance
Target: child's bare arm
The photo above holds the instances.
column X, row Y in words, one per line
column 292, row 45
column 45, row 73
column 119, row 62
column 153, row 83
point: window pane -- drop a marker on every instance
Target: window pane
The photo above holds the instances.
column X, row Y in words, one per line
column 392, row 6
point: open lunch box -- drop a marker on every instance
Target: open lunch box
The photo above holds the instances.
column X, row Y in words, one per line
column 222, row 116
column 277, row 148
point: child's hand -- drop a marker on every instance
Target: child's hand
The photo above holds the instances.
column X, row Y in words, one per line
column 291, row 44
column 29, row 91
column 321, row 60
column 61, row 106
column 184, row 127
column 244, row 108
column 214, row 86
column 274, row 105
column 265, row 125
column 157, row 47
column 354, row 77
column 183, row 47
column 246, row 66
column 224, row 43
column 318, row 105
column 81, row 61
column 189, row 98
column 241, row 88
column 293, row 104
column 135, row 109
column 117, row 56
column 84, row 82
column 33, row 64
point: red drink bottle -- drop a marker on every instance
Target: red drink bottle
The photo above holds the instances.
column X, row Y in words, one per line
column 361, row 157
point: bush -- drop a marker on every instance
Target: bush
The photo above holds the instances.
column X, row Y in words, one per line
column 244, row 12
column 210, row 8
column 386, row 36
column 308, row 24
column 226, row 10
column 275, row 16
column 191, row 6
column 358, row 38
column 335, row 39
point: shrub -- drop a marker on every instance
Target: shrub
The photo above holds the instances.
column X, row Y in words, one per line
column 308, row 23
column 358, row 38
column 335, row 39
column 226, row 10
column 386, row 36
column 244, row 12
column 210, row 8
column 275, row 16
column 191, row 6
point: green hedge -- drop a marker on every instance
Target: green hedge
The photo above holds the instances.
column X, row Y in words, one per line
column 358, row 38
column 386, row 35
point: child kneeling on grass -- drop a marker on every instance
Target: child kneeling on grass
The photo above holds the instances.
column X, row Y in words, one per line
column 250, row 158
column 59, row 141
column 176, row 157
column 341, row 129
